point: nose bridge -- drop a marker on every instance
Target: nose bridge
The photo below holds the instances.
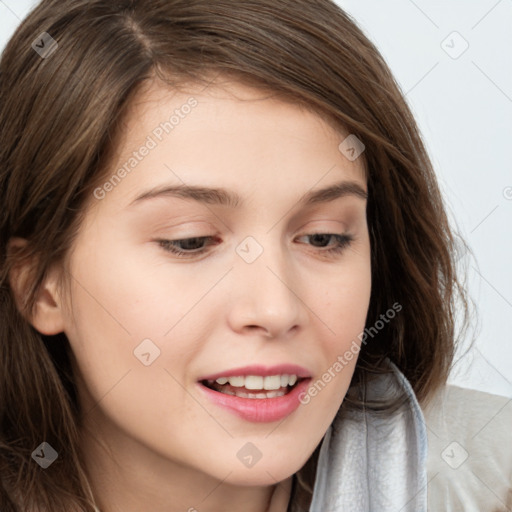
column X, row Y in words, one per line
column 265, row 283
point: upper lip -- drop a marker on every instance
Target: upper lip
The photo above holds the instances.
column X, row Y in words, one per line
column 264, row 371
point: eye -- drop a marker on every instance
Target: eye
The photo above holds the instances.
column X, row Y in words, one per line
column 190, row 247
column 341, row 241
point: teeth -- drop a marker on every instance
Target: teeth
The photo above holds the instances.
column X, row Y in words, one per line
column 253, row 382
column 272, row 382
column 270, row 394
column 257, row 382
column 237, row 382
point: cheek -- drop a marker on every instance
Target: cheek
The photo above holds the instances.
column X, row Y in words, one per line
column 129, row 292
column 131, row 371
column 343, row 306
column 128, row 310
column 346, row 301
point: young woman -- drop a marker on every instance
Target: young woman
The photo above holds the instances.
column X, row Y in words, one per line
column 227, row 275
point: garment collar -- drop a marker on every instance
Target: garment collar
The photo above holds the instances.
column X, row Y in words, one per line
column 371, row 461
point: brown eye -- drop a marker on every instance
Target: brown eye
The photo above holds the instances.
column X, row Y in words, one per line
column 321, row 241
column 186, row 246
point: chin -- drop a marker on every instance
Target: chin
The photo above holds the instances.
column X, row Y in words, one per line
column 261, row 474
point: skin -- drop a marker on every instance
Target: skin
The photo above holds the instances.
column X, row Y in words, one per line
column 152, row 440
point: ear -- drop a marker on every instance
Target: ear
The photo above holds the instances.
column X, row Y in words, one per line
column 47, row 316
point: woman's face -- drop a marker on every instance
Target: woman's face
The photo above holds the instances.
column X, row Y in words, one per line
column 272, row 280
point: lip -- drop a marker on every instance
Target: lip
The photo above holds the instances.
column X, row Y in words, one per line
column 259, row 370
column 258, row 410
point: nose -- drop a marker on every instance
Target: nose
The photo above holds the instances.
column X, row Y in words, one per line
column 267, row 296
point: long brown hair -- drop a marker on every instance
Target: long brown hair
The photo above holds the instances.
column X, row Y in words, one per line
column 59, row 117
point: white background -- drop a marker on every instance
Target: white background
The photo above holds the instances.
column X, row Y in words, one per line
column 463, row 105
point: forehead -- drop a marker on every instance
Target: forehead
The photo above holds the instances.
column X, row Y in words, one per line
column 231, row 134
column 226, row 105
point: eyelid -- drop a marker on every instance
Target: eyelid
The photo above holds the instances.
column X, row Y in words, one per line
column 209, row 230
column 326, row 223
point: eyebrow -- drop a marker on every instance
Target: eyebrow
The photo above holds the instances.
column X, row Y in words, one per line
column 230, row 199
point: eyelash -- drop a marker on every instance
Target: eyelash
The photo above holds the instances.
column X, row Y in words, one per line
column 343, row 241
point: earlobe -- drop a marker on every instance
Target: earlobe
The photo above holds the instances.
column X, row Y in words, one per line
column 47, row 315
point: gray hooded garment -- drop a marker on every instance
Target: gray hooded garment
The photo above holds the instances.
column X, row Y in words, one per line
column 371, row 461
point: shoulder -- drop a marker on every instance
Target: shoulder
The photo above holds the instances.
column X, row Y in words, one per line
column 470, row 451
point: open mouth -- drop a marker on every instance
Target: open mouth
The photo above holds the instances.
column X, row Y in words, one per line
column 255, row 387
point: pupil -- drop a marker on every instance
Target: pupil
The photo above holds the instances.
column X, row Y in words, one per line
column 190, row 242
column 323, row 237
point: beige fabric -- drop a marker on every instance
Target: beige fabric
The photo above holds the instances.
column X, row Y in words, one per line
column 470, row 451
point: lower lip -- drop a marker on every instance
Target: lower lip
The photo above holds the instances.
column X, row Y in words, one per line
column 259, row 410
